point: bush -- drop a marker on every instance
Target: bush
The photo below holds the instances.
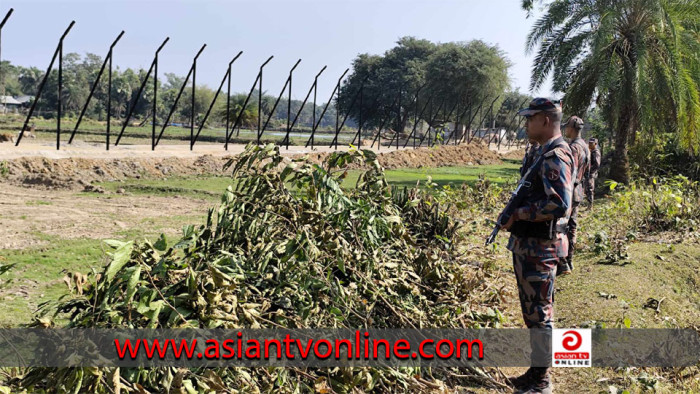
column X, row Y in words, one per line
column 644, row 207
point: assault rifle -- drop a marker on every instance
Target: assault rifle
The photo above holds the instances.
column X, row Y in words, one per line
column 516, row 199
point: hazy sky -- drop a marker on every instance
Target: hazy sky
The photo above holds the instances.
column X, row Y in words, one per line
column 330, row 32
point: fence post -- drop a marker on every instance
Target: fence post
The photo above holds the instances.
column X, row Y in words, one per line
column 59, row 51
column 138, row 95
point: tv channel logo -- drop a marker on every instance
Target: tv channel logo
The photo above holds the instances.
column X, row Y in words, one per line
column 571, row 347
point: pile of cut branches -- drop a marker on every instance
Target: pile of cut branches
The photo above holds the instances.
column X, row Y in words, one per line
column 288, row 247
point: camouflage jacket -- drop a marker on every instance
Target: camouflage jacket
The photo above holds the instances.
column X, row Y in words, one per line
column 595, row 164
column 529, row 158
column 553, row 203
column 581, row 155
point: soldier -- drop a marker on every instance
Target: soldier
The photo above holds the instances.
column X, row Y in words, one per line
column 538, row 235
column 579, row 148
column 593, row 170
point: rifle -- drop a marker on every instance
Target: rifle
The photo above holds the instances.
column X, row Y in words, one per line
column 518, row 195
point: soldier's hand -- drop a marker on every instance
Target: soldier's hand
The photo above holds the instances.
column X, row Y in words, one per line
column 507, row 225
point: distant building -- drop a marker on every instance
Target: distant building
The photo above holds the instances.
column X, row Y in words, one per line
column 24, row 100
column 9, row 104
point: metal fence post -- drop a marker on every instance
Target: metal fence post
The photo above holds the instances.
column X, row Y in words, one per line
column 58, row 52
column 154, row 64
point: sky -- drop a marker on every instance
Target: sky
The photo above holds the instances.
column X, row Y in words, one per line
column 328, row 32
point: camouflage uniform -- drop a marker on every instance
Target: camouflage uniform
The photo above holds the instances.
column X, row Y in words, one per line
column 538, row 243
column 592, row 174
column 535, row 259
column 530, row 157
column 581, row 156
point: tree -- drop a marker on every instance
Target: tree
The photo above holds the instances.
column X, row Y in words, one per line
column 401, row 70
column 638, row 59
column 447, row 76
column 463, row 74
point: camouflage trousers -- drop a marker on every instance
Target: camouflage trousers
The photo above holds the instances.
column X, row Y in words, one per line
column 571, row 232
column 535, row 278
column 589, row 187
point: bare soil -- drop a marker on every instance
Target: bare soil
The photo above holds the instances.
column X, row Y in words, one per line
column 28, row 217
column 475, row 153
column 516, row 154
column 77, row 168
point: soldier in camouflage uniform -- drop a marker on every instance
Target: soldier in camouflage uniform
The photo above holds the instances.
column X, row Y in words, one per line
column 593, row 169
column 579, row 148
column 538, row 238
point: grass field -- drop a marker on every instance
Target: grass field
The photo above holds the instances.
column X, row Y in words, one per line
column 212, row 186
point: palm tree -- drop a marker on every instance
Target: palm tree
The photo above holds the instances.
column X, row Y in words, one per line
column 639, row 60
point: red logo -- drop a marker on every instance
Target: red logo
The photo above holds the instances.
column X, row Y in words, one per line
column 572, row 340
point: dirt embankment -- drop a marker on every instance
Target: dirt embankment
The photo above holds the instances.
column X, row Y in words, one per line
column 516, row 154
column 442, row 156
column 78, row 173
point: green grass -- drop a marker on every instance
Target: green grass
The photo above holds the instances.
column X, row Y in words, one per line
column 38, row 202
column 192, row 186
column 653, row 271
column 36, row 275
column 211, row 187
column 498, row 173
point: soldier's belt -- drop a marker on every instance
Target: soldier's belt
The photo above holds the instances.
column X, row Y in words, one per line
column 542, row 230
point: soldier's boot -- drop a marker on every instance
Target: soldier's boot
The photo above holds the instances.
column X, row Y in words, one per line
column 522, row 381
column 540, row 382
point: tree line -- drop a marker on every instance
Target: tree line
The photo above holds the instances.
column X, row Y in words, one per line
column 79, row 73
column 435, row 83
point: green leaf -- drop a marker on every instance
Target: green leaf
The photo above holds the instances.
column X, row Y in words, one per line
column 133, row 281
column 5, row 268
column 627, row 322
column 119, row 258
column 187, row 384
column 114, row 243
column 161, row 244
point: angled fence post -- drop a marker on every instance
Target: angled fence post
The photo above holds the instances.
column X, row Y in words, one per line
column 194, row 85
column 154, row 64
column 177, row 99
column 320, row 118
column 245, row 104
column 7, row 16
column 288, row 82
column 313, row 88
column 108, row 60
column 58, row 53
column 378, row 137
column 227, row 75
column 345, row 118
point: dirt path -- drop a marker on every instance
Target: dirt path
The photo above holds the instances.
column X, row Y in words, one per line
column 97, row 151
column 28, row 216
